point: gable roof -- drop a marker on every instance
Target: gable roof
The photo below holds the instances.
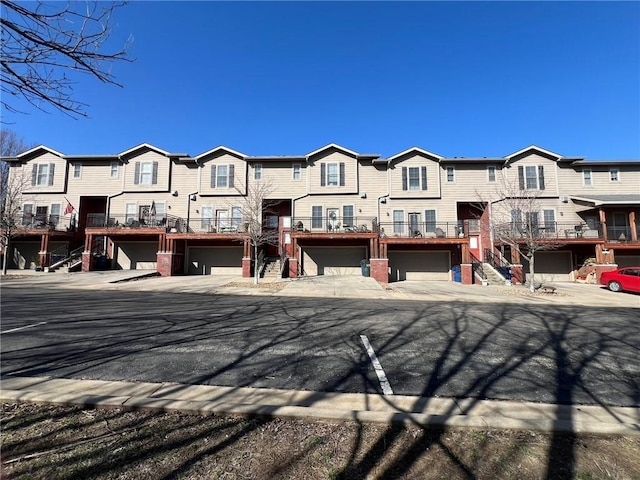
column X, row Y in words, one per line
column 20, row 156
column 218, row 148
column 332, row 145
column 414, row 149
column 151, row 147
column 535, row 148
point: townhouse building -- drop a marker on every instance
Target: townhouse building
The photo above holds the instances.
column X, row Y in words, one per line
column 414, row 215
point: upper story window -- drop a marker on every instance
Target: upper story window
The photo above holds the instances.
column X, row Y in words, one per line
column 257, row 171
column 115, row 167
column 414, row 178
column 77, row 170
column 586, row 178
column 146, row 173
column 332, row 174
column 531, row 177
column 297, row 173
column 42, row 174
column 451, row 174
column 222, row 176
column 491, row 173
column 614, row 174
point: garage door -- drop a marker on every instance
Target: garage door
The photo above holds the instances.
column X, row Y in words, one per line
column 627, row 260
column 332, row 260
column 136, row 255
column 215, row 260
column 413, row 265
column 551, row 266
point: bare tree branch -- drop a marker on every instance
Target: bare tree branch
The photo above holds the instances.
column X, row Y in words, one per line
column 40, row 45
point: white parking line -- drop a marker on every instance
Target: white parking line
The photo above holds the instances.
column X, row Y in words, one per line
column 384, row 383
column 22, row 328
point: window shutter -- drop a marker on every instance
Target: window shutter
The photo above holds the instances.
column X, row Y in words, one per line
column 404, row 178
column 213, row 176
column 136, row 179
column 154, row 174
column 231, row 175
column 541, row 177
column 521, row 177
column 342, row 174
column 423, row 170
column 34, row 174
column 52, row 170
column 323, row 174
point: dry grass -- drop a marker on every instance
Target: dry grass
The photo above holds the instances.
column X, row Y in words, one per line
column 69, row 442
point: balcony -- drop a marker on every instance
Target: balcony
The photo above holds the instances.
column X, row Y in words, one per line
column 456, row 229
column 552, row 231
column 41, row 222
column 166, row 223
column 332, row 225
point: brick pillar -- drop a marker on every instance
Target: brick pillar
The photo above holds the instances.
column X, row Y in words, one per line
column 165, row 263
column 246, row 267
column 380, row 269
column 44, row 253
column 293, row 267
column 87, row 263
column 516, row 275
column 466, row 274
column 603, row 268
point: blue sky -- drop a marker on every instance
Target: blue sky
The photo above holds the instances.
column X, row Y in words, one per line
column 285, row 78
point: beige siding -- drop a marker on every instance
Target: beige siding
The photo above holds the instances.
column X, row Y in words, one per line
column 95, row 179
column 146, row 156
column 550, row 172
column 471, row 183
column 240, row 175
column 333, row 156
column 184, row 180
column 414, row 160
column 60, row 172
column 279, row 176
column 572, row 180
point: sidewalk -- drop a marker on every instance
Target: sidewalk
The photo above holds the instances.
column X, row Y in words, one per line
column 368, row 408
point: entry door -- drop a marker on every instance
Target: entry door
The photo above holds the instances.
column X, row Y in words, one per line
column 332, row 218
column 414, row 225
column 222, row 219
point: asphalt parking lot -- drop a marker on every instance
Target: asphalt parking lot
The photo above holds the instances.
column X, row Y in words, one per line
column 431, row 339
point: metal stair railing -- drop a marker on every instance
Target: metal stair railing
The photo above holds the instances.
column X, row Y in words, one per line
column 477, row 267
column 60, row 259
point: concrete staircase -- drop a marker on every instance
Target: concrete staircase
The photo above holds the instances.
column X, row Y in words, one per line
column 493, row 277
column 71, row 263
column 272, row 269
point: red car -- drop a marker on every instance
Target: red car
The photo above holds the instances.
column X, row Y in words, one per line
column 623, row 279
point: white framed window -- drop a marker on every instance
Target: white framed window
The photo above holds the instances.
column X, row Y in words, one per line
column 222, row 176
column 332, row 174
column 414, row 178
column 115, row 169
column 236, row 216
column 451, row 174
column 614, row 175
column 146, row 173
column 531, row 177
column 77, row 170
column 398, row 221
column 347, row 216
column 430, row 220
column 27, row 214
column 54, row 214
column 316, row 216
column 549, row 216
column 42, row 174
column 491, row 173
column 297, row 171
column 207, row 218
column 257, row 171
column 131, row 212
column 586, row 177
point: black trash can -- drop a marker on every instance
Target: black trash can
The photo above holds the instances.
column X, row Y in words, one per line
column 365, row 268
column 457, row 276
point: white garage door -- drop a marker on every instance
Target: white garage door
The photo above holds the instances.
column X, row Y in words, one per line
column 333, row 260
column 415, row 265
column 627, row 260
column 215, row 261
column 136, row 255
column 551, row 266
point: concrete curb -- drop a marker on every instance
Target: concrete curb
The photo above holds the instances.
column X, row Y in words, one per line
column 367, row 408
